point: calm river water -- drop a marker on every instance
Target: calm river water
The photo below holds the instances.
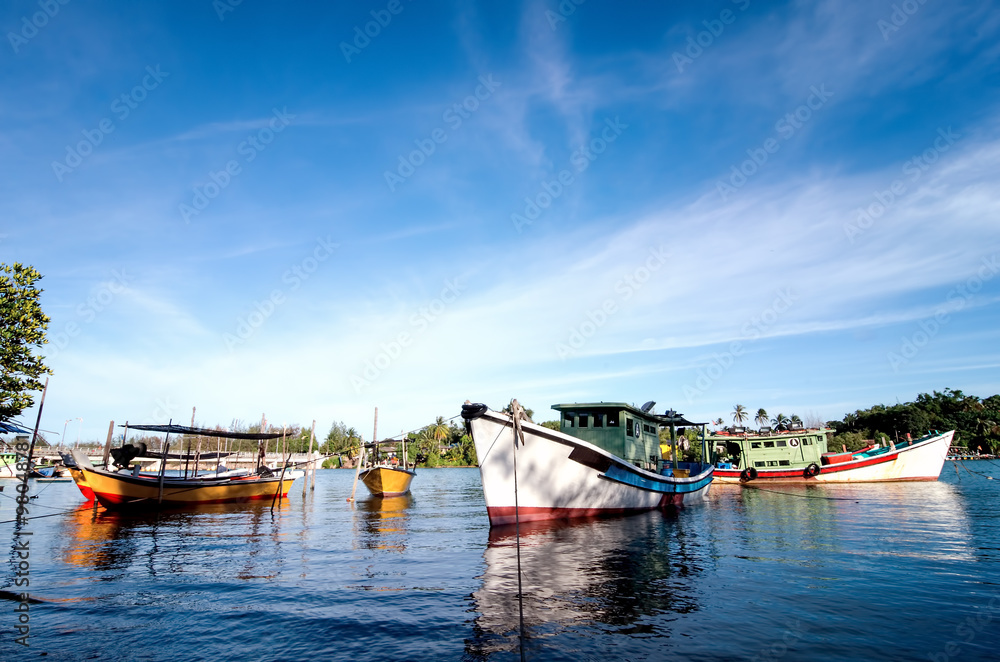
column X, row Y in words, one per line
column 895, row 571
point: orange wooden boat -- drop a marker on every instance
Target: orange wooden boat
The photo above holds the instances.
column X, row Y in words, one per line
column 136, row 490
column 118, row 491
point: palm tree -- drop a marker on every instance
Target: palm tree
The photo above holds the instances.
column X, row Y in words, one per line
column 780, row 421
column 795, row 419
column 740, row 414
column 761, row 418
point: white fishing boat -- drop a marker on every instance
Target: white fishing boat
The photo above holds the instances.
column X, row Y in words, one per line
column 604, row 460
column 800, row 456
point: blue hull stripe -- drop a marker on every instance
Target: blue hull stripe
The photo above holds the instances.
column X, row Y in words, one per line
column 667, row 486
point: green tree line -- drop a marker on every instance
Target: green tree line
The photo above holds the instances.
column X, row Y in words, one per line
column 976, row 421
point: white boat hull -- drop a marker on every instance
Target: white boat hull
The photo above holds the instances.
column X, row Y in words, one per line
column 560, row 477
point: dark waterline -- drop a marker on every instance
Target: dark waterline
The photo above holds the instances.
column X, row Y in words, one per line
column 894, row 571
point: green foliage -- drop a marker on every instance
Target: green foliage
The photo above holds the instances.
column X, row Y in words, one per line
column 341, row 440
column 22, row 328
column 552, row 425
column 976, row 421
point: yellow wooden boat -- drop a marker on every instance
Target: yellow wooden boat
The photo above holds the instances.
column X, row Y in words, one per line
column 387, row 481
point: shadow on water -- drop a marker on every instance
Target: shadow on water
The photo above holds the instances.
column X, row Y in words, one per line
column 586, row 576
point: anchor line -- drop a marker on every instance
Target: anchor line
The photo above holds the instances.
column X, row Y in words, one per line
column 516, row 429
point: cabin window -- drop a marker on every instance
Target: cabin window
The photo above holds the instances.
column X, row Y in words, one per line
column 768, row 444
column 754, row 444
column 647, row 428
column 582, row 420
column 613, row 420
column 569, row 420
column 782, row 443
column 598, row 420
column 760, row 464
column 783, row 463
column 807, row 442
column 629, row 427
column 772, row 463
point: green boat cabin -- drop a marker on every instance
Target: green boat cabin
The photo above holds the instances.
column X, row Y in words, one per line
column 615, row 427
column 793, row 448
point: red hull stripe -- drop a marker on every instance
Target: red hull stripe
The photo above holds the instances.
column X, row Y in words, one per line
column 825, row 469
column 506, row 514
column 119, row 500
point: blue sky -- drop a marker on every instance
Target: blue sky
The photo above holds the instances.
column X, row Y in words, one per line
column 260, row 208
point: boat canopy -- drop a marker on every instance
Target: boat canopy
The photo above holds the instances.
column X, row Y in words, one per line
column 204, row 432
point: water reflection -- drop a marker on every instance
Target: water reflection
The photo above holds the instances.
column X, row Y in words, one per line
column 382, row 522
column 886, row 517
column 607, row 575
column 115, row 544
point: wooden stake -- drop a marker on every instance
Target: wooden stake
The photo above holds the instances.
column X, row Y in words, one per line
column 163, row 464
column 312, row 464
column 34, row 436
column 107, row 444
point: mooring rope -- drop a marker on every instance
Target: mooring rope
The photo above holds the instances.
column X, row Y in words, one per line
column 515, row 411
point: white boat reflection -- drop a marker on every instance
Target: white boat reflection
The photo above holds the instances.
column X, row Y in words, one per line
column 582, row 574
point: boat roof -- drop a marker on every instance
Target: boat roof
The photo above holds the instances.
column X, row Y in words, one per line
column 662, row 419
column 7, row 427
column 204, row 432
column 726, row 434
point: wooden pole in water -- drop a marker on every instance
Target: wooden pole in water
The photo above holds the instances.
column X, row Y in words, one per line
column 107, row 444
column 312, row 465
column 361, row 459
column 34, row 436
column 263, row 430
column 163, row 464
column 281, row 478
